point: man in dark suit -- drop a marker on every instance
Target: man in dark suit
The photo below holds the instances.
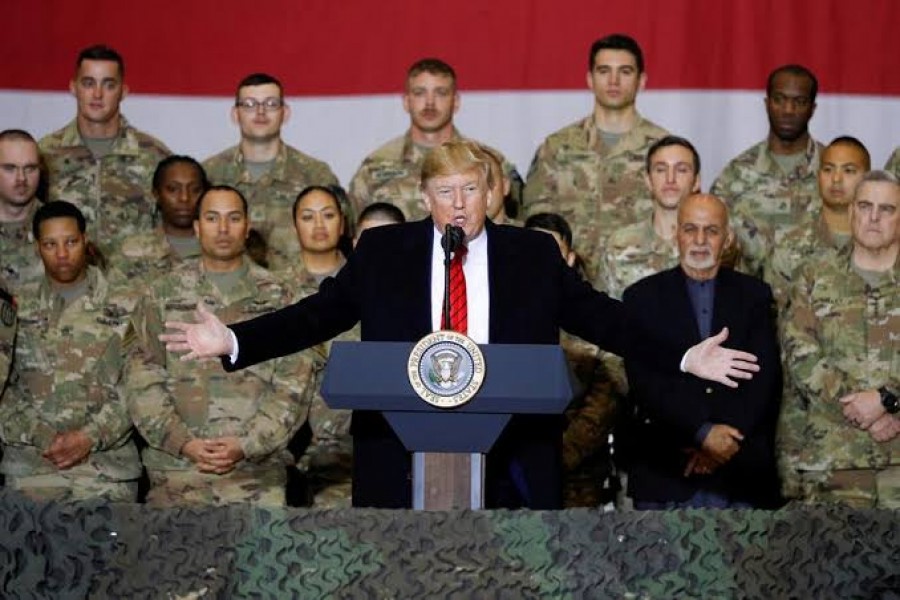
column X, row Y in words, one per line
column 698, row 443
column 519, row 290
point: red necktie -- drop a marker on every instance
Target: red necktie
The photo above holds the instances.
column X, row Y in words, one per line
column 459, row 311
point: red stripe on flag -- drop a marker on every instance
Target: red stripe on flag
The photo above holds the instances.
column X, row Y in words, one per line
column 323, row 47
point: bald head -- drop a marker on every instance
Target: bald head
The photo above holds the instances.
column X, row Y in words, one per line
column 703, row 234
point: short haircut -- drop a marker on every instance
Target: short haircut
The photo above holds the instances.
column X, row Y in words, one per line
column 673, row 140
column 16, row 135
column 551, row 222
column 384, row 210
column 849, row 140
column 258, row 79
column 454, row 157
column 335, row 191
column 876, row 176
column 434, row 66
column 617, row 41
column 101, row 52
column 59, row 209
column 175, row 159
column 799, row 71
column 219, row 188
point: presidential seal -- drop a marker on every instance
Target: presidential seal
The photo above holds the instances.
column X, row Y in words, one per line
column 446, row 369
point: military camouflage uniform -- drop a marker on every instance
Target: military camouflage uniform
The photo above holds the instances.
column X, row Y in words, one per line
column 755, row 187
column 327, row 460
column 173, row 402
column 810, row 239
column 632, row 253
column 67, row 376
column 893, row 163
column 114, row 191
column 393, row 173
column 587, row 462
column 271, row 197
column 841, row 336
column 8, row 323
column 20, row 262
column 596, row 188
column 147, row 255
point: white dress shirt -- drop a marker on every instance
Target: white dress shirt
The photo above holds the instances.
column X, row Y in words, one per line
column 478, row 292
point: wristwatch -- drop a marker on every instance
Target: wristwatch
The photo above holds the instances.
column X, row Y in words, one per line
column 889, row 400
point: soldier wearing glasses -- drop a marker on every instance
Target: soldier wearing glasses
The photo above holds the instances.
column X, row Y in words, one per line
column 268, row 172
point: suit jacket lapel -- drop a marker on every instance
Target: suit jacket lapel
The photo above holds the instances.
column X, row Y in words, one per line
column 679, row 302
column 417, row 280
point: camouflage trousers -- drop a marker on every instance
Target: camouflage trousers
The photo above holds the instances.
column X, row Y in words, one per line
column 264, row 486
column 856, row 488
column 63, row 487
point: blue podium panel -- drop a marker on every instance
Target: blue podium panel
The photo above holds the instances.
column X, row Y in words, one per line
column 520, row 379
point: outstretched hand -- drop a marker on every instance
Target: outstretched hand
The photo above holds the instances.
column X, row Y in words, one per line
column 207, row 338
column 710, row 360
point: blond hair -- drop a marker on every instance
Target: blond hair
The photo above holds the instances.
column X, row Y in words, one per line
column 455, row 157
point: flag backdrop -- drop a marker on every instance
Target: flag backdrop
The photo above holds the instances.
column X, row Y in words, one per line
column 521, row 66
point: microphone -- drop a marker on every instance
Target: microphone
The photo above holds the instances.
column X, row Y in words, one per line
column 451, row 240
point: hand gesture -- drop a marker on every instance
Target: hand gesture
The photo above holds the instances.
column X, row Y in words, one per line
column 709, row 360
column 207, row 338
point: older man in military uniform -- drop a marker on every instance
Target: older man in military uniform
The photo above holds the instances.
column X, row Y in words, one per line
column 99, row 162
column 392, row 172
column 177, row 184
column 268, row 172
column 591, row 172
column 838, row 434
column 774, row 181
column 216, row 438
column 64, row 426
column 20, row 178
column 844, row 162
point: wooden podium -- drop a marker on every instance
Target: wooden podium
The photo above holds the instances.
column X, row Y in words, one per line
column 448, row 446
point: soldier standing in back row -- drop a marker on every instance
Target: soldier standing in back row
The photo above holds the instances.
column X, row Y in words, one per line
column 98, row 161
column 268, row 172
column 592, row 171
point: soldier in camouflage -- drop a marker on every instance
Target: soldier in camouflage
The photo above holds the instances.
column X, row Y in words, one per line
column 844, row 162
column 63, row 423
column 8, row 328
column 587, row 461
column 326, row 460
column 893, row 162
column 268, row 172
column 392, row 173
column 648, row 245
column 213, row 437
column 20, row 179
column 99, row 162
column 774, row 182
column 838, row 429
column 592, row 171
column 177, row 184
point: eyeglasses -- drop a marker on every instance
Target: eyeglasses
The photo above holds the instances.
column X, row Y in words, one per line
column 251, row 104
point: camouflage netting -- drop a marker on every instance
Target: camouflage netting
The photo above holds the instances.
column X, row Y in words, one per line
column 96, row 550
